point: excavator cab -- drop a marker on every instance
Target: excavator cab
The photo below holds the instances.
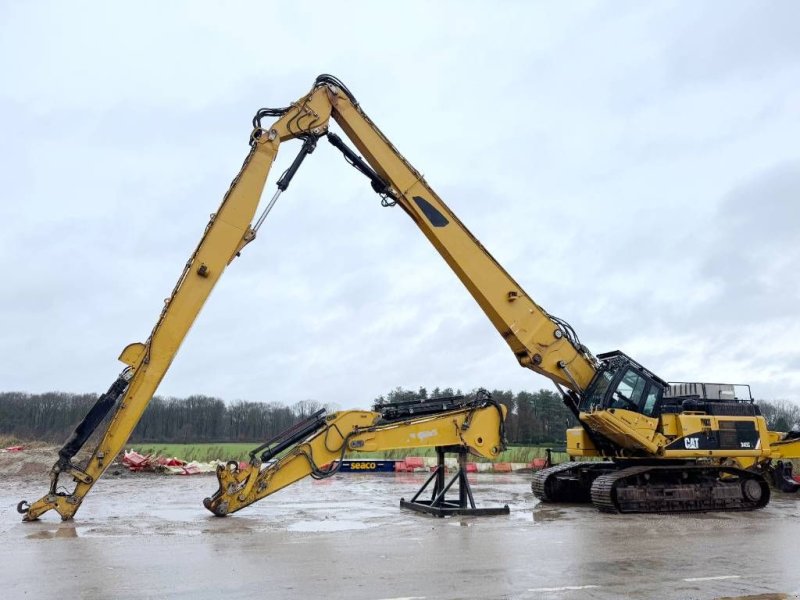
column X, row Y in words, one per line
column 623, row 383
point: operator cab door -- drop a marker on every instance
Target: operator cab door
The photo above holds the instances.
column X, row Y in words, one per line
column 636, row 392
column 626, row 388
column 629, row 391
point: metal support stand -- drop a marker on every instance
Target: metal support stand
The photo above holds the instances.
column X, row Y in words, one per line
column 438, row 505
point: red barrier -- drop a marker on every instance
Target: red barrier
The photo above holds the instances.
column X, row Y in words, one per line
column 538, row 463
column 415, row 462
column 501, row 467
column 400, row 466
column 136, row 462
column 169, row 462
column 472, row 468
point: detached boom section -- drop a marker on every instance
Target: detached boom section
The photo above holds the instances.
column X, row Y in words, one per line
column 315, row 447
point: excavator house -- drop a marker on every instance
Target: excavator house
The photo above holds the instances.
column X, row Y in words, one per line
column 643, row 444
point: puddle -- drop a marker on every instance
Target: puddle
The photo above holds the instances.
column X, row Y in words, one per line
column 327, row 525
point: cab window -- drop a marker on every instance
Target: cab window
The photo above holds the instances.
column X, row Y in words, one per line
column 650, row 401
column 599, row 392
column 629, row 391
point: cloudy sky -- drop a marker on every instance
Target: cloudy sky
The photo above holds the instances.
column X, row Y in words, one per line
column 634, row 165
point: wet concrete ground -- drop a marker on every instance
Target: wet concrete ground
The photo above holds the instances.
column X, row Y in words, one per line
column 150, row 537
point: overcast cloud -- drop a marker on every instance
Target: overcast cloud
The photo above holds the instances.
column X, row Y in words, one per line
column 634, row 165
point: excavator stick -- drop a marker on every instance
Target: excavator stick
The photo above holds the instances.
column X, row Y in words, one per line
column 316, row 447
column 228, row 231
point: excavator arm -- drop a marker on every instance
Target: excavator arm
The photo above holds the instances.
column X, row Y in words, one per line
column 227, row 232
column 317, row 446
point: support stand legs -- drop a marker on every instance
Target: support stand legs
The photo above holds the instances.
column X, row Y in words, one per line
column 438, row 504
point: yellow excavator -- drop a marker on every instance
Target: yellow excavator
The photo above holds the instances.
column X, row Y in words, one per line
column 665, row 448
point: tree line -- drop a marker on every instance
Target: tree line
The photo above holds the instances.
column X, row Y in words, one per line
column 533, row 417
column 52, row 417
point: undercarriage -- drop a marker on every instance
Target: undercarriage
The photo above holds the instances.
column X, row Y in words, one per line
column 623, row 487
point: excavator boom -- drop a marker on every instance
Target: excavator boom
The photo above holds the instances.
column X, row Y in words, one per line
column 539, row 341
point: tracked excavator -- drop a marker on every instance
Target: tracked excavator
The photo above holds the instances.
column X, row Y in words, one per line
column 647, row 445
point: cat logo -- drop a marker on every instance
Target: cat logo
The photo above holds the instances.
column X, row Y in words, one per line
column 745, row 444
column 692, row 443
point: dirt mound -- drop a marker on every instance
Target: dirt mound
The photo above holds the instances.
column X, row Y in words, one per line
column 36, row 459
column 30, row 462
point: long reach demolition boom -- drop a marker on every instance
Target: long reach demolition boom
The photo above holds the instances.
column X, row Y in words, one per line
column 668, row 447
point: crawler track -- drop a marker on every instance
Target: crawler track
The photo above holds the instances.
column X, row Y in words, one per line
column 568, row 482
column 669, row 489
column 617, row 488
